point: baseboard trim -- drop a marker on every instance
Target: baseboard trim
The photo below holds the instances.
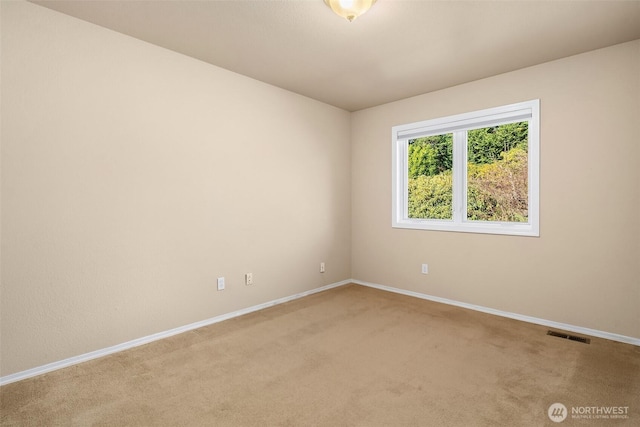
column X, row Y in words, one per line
column 550, row 323
column 18, row 376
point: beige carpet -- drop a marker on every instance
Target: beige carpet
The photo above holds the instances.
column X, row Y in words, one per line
column 351, row 356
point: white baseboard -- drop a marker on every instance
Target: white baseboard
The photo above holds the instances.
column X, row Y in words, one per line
column 145, row 340
column 155, row 337
column 562, row 326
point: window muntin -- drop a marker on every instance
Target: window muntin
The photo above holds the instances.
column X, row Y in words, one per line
column 474, row 172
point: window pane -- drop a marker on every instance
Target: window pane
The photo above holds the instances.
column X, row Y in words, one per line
column 497, row 171
column 430, row 180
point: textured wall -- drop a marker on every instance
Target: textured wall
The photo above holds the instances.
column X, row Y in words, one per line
column 132, row 177
column 584, row 269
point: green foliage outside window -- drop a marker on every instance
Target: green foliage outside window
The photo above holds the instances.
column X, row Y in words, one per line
column 431, row 155
column 497, row 172
column 498, row 191
column 430, row 196
column 486, row 145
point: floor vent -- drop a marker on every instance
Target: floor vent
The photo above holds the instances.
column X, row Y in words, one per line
column 569, row 337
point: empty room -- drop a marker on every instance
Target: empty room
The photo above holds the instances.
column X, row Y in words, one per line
column 319, row 213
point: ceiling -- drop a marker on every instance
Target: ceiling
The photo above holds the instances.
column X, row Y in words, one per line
column 399, row 49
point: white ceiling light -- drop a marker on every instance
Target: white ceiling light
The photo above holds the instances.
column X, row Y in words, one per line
column 350, row 9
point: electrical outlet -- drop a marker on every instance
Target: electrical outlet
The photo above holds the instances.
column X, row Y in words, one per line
column 322, row 267
column 425, row 269
column 221, row 283
column 248, row 279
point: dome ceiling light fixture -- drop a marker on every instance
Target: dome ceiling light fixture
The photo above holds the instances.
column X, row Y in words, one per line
column 350, row 9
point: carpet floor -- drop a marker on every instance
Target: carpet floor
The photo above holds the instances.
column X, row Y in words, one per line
column 349, row 356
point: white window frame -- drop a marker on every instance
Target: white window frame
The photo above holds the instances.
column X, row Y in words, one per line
column 459, row 125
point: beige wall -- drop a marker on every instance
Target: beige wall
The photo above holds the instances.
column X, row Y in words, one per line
column 584, row 269
column 132, row 177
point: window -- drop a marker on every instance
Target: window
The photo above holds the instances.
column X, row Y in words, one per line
column 476, row 172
